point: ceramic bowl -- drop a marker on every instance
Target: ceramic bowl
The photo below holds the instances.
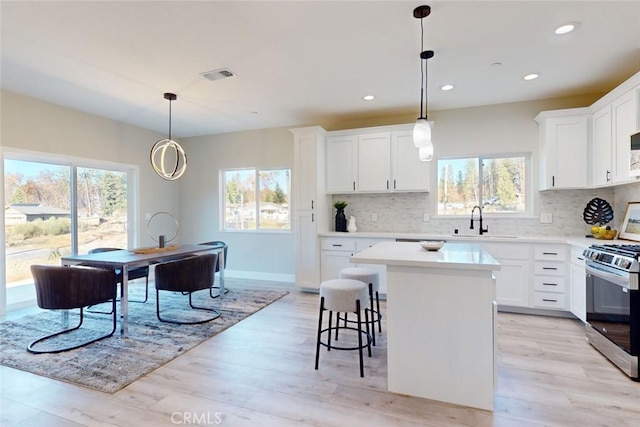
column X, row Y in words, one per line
column 432, row 245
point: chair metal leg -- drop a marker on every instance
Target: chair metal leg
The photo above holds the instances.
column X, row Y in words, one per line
column 378, row 314
column 31, row 345
column 319, row 331
column 177, row 322
column 371, row 307
column 359, row 318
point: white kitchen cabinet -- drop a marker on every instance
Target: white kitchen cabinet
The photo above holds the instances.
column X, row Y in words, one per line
column 564, row 145
column 624, row 112
column 602, row 173
column 341, row 163
column 408, row 173
column 336, row 252
column 578, row 283
column 374, row 168
column 616, row 116
column 335, row 255
column 310, row 203
column 374, row 160
column 514, row 277
column 550, row 272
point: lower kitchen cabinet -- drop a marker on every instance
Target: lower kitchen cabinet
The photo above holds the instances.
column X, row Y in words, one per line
column 336, row 252
column 578, row 284
column 550, row 272
column 514, row 277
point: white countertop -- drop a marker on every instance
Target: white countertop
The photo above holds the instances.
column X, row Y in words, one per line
column 411, row 254
column 580, row 241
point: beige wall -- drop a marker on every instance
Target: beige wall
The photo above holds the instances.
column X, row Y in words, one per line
column 33, row 125
column 269, row 253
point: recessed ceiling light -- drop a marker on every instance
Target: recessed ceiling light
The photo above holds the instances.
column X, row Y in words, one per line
column 532, row 76
column 446, row 87
column 369, row 97
column 566, row 28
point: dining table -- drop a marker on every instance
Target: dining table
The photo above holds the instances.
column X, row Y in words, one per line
column 125, row 260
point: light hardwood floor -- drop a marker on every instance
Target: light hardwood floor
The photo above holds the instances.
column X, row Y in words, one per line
column 260, row 373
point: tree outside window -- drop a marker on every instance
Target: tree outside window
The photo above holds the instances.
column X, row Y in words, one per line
column 256, row 199
column 497, row 184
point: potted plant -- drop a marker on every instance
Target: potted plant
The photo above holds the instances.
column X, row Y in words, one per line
column 341, row 219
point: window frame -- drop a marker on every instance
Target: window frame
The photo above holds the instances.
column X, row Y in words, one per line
column 256, row 213
column 528, row 187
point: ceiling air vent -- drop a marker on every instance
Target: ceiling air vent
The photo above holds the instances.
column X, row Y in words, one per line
column 222, row 73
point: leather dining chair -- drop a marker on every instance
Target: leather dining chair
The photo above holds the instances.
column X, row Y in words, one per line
column 66, row 288
column 186, row 276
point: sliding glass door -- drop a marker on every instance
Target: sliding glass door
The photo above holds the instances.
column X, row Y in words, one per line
column 52, row 210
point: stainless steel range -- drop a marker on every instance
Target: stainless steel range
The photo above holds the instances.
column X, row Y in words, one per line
column 613, row 304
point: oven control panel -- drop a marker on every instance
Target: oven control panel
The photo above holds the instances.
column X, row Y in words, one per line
column 623, row 262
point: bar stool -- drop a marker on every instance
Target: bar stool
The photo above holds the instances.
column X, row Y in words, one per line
column 343, row 296
column 372, row 278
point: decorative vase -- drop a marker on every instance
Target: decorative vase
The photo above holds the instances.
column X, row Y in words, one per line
column 351, row 227
column 341, row 221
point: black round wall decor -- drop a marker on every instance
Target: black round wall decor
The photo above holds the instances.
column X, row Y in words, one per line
column 598, row 212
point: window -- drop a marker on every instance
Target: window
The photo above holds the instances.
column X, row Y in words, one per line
column 41, row 204
column 256, row 199
column 498, row 184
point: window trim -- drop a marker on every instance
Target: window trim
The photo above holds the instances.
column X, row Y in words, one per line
column 223, row 205
column 528, row 173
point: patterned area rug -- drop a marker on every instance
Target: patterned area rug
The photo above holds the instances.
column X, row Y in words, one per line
column 112, row 363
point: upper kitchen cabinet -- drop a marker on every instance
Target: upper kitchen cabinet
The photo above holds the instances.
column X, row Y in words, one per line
column 602, row 173
column 374, row 160
column 616, row 116
column 341, row 164
column 564, row 148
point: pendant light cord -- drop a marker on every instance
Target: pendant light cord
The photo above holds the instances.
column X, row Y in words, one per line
column 170, row 119
column 422, row 73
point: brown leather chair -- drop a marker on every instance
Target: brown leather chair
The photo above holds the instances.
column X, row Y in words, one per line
column 66, row 288
column 187, row 275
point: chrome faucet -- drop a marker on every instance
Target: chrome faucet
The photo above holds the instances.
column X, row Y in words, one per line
column 482, row 230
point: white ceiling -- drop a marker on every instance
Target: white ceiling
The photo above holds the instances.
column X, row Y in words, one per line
column 301, row 62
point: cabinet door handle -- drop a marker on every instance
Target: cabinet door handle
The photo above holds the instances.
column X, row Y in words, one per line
column 550, row 284
column 313, row 218
column 336, row 245
column 553, row 180
column 354, row 186
column 549, row 253
column 312, row 204
column 608, row 176
column 549, row 300
column 549, row 268
column 387, row 184
column 394, row 184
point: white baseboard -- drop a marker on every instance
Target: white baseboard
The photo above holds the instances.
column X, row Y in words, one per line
column 259, row 275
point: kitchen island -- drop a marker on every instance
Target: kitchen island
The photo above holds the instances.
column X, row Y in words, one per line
column 440, row 320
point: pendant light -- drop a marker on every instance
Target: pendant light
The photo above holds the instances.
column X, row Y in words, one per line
column 422, row 128
column 168, row 152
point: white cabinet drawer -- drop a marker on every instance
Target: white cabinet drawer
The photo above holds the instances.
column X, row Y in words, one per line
column 550, row 252
column 550, row 284
column 549, row 300
column 549, row 268
column 338, row 244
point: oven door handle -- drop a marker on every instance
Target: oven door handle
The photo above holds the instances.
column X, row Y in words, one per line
column 610, row 277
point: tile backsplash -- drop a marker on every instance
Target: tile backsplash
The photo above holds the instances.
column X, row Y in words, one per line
column 403, row 212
